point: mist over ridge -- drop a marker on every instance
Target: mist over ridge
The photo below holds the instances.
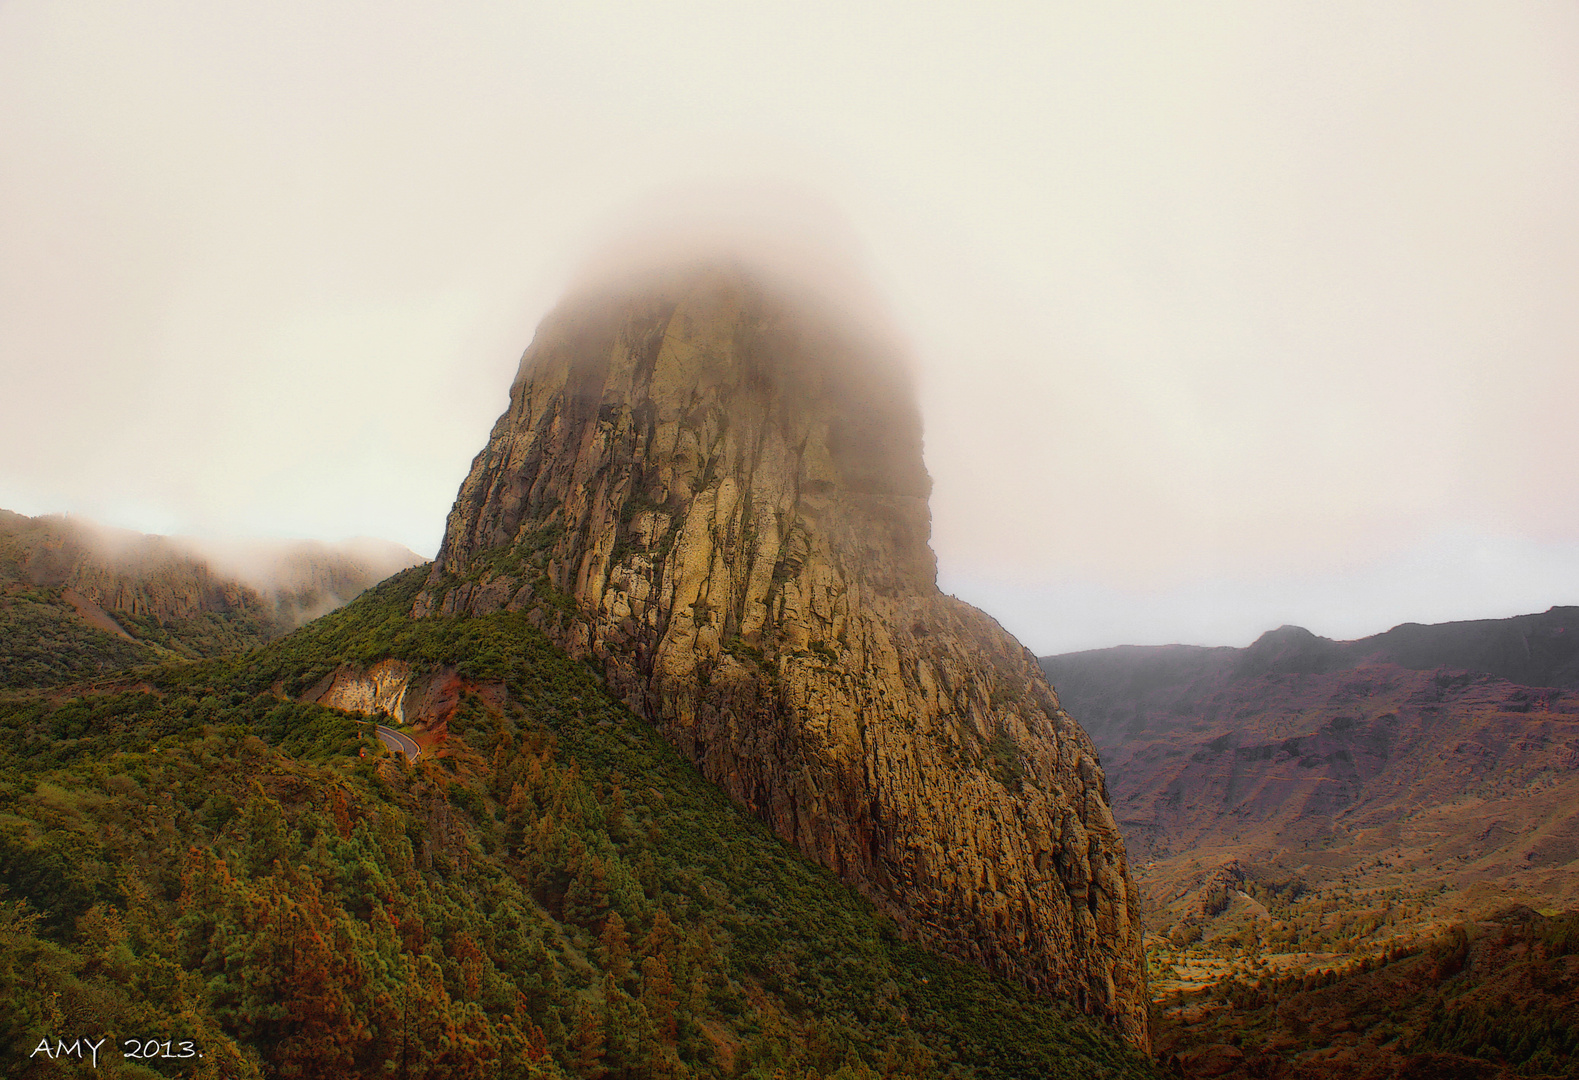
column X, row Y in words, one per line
column 80, row 599
column 55, row 543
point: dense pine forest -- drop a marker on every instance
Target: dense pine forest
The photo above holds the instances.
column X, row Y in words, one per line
column 194, row 863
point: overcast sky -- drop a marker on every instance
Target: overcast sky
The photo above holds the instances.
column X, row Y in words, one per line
column 1225, row 315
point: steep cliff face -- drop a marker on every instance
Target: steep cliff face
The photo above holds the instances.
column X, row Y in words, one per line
column 715, row 491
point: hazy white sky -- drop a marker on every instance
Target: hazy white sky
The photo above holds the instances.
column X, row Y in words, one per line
column 1226, row 315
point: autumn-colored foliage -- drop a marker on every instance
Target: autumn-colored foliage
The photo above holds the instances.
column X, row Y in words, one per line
column 1494, row 999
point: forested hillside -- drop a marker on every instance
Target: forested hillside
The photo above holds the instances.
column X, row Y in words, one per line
column 191, row 857
column 1484, row 1000
column 46, row 643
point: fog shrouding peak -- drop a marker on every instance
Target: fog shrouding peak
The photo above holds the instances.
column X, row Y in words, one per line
column 788, row 241
column 1221, row 317
column 760, row 288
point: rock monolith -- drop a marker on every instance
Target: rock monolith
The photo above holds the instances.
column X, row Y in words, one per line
column 710, row 485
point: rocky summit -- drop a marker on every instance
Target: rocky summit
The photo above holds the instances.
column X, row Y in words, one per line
column 711, row 487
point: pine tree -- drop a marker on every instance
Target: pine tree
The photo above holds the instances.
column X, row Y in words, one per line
column 659, row 998
column 586, row 1044
column 615, row 951
column 614, row 814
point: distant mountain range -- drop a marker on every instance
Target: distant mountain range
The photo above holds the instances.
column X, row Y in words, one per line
column 78, row 598
column 1307, row 805
column 1445, row 754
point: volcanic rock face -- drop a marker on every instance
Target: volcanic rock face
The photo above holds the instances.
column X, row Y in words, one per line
column 716, row 493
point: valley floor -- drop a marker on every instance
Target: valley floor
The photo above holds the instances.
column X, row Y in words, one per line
column 1375, row 966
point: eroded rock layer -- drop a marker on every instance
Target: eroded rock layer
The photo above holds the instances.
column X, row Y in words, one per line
column 716, row 492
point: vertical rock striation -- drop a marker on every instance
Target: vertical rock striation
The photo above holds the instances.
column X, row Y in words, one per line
column 714, row 489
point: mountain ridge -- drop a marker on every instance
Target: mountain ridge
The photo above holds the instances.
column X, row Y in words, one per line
column 105, row 598
column 1299, row 760
column 1537, row 649
column 1303, row 811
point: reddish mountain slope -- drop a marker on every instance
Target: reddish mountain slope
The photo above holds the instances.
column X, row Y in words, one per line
column 1306, row 797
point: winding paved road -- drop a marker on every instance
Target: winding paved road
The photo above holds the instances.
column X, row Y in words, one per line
column 397, row 742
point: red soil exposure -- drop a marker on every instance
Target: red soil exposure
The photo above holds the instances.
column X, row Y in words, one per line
column 387, row 688
column 432, row 703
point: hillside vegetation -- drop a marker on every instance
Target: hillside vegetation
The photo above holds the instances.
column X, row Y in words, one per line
column 190, row 856
column 46, row 643
column 1490, row 999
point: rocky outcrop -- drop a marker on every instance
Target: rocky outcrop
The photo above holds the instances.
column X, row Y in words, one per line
column 426, row 700
column 379, row 690
column 714, row 490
